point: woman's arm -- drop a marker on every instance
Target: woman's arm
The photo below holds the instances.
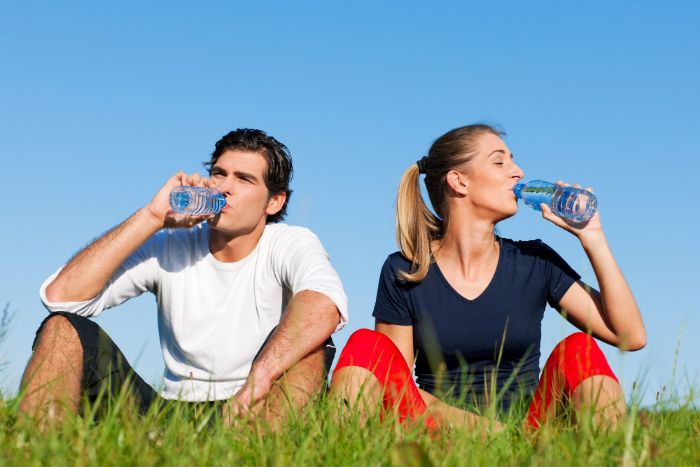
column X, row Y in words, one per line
column 612, row 315
column 444, row 414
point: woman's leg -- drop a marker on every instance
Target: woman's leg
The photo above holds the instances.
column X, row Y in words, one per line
column 578, row 372
column 371, row 368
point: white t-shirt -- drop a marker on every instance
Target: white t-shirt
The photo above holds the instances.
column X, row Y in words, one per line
column 213, row 317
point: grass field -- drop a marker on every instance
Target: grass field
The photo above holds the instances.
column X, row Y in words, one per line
column 322, row 435
column 667, row 433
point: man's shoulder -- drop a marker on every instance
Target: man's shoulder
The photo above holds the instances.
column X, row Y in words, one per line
column 283, row 233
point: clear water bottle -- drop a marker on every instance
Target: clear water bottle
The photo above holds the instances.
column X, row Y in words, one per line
column 196, row 200
column 568, row 202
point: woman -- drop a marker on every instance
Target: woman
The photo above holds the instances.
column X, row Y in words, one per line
column 467, row 305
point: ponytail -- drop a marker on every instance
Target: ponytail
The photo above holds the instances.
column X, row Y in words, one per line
column 416, row 226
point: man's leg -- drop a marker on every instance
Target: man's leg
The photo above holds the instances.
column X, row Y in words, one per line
column 73, row 357
column 51, row 384
column 293, row 390
column 296, row 387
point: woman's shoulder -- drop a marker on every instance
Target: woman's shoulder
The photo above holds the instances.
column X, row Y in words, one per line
column 525, row 246
column 535, row 247
column 395, row 262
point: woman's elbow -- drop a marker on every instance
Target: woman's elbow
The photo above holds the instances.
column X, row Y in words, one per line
column 637, row 342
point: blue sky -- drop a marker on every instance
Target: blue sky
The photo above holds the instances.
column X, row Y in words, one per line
column 100, row 103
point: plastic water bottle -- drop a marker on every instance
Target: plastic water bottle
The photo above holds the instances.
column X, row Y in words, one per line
column 571, row 203
column 196, row 200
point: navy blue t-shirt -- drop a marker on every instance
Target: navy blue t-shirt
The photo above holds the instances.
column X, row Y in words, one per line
column 462, row 345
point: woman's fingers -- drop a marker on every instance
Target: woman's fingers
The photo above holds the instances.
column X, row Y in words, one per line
column 577, row 185
column 551, row 217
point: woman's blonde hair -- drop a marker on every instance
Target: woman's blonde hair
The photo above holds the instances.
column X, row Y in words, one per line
column 416, row 225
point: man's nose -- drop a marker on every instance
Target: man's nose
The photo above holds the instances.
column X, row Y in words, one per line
column 225, row 187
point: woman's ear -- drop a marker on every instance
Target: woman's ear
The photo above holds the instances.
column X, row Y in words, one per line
column 458, row 182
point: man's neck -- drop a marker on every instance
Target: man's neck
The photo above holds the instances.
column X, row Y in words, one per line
column 230, row 247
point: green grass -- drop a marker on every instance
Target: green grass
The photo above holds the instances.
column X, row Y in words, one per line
column 321, row 435
column 666, row 434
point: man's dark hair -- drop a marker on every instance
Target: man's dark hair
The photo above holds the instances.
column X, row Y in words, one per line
column 279, row 160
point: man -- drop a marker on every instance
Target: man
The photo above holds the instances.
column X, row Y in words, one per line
column 244, row 303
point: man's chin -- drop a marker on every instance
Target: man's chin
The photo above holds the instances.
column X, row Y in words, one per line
column 215, row 223
column 221, row 227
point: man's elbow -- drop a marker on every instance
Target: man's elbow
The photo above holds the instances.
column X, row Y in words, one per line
column 324, row 306
column 334, row 318
column 53, row 294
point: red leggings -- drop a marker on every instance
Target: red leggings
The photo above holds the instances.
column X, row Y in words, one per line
column 573, row 360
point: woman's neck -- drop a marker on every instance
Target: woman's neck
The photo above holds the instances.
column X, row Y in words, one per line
column 468, row 246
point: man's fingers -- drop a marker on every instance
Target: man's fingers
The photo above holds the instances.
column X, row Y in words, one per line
column 194, row 179
column 181, row 178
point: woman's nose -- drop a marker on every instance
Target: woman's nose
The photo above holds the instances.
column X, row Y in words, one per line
column 518, row 172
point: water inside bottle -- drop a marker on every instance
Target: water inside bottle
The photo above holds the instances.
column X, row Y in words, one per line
column 535, row 193
column 196, row 200
column 572, row 203
column 575, row 204
column 179, row 201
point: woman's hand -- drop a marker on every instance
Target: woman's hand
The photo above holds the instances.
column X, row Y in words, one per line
column 611, row 314
column 591, row 228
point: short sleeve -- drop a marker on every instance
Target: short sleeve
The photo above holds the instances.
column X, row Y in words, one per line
column 135, row 276
column 305, row 265
column 391, row 305
column 559, row 275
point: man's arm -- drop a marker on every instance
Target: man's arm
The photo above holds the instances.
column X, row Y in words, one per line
column 87, row 273
column 310, row 318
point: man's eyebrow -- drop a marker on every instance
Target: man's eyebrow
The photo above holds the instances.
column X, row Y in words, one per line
column 240, row 173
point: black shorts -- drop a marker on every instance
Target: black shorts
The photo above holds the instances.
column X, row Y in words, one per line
column 107, row 374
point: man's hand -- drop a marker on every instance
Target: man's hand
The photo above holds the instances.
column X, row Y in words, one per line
column 249, row 399
column 307, row 322
column 159, row 207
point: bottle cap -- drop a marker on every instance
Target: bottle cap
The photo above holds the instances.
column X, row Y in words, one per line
column 517, row 190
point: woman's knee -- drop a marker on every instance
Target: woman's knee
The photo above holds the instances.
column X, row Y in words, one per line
column 581, row 358
column 373, row 351
column 578, row 341
column 353, row 381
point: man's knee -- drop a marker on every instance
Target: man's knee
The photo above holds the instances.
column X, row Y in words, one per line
column 58, row 332
column 307, row 375
column 313, row 365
